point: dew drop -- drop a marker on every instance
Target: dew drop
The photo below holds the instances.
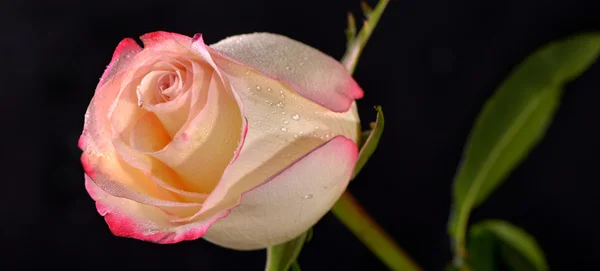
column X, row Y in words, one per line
column 283, row 129
column 267, row 128
column 269, row 90
column 280, row 104
column 288, row 68
column 295, row 136
column 301, row 63
column 282, row 96
column 273, row 112
column 258, row 88
column 309, row 196
column 285, row 122
column 324, row 188
column 296, row 117
column 283, row 112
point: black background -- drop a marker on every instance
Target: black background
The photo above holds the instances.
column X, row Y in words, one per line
column 430, row 64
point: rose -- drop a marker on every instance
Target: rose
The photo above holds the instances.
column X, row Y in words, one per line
column 247, row 143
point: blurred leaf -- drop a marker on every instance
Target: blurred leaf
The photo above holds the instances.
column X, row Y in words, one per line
column 356, row 42
column 482, row 251
column 513, row 121
column 513, row 261
column 283, row 257
column 370, row 144
column 295, row 267
column 492, row 238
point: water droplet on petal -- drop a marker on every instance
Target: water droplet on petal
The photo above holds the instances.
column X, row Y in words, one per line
column 280, row 104
column 285, row 122
column 296, row 117
column 288, row 68
column 283, row 129
column 309, row 196
column 267, row 128
column 269, row 90
column 258, row 88
column 324, row 188
column 283, row 112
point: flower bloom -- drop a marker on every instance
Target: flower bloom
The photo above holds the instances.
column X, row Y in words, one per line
column 246, row 143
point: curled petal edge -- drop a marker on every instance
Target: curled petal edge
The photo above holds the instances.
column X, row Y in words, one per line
column 124, row 225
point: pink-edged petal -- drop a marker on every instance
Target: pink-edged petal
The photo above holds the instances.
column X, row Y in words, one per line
column 96, row 129
column 158, row 38
column 132, row 219
column 283, row 126
column 308, row 71
column 121, row 58
column 291, row 202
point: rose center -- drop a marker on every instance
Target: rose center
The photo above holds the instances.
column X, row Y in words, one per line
column 168, row 86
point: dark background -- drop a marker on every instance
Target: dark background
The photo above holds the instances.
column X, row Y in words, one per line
column 431, row 64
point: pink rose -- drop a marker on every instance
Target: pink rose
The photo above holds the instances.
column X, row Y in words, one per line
column 247, row 143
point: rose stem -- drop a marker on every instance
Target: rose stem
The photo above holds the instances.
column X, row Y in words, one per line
column 362, row 225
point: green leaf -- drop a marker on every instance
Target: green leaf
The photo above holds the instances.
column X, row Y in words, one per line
column 370, row 144
column 283, row 257
column 356, row 43
column 492, row 240
column 513, row 121
column 295, row 267
column 482, row 251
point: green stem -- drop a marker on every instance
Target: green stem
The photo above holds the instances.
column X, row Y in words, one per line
column 354, row 217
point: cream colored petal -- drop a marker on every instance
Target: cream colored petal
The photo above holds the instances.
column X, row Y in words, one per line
column 291, row 202
column 282, row 127
column 308, row 71
column 204, row 149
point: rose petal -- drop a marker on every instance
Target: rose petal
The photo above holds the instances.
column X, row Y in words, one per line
column 148, row 134
column 124, row 53
column 132, row 219
column 208, row 143
column 167, row 41
column 274, row 139
column 308, row 71
column 289, row 203
column 96, row 131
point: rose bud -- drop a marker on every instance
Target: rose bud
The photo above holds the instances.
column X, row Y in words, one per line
column 246, row 143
